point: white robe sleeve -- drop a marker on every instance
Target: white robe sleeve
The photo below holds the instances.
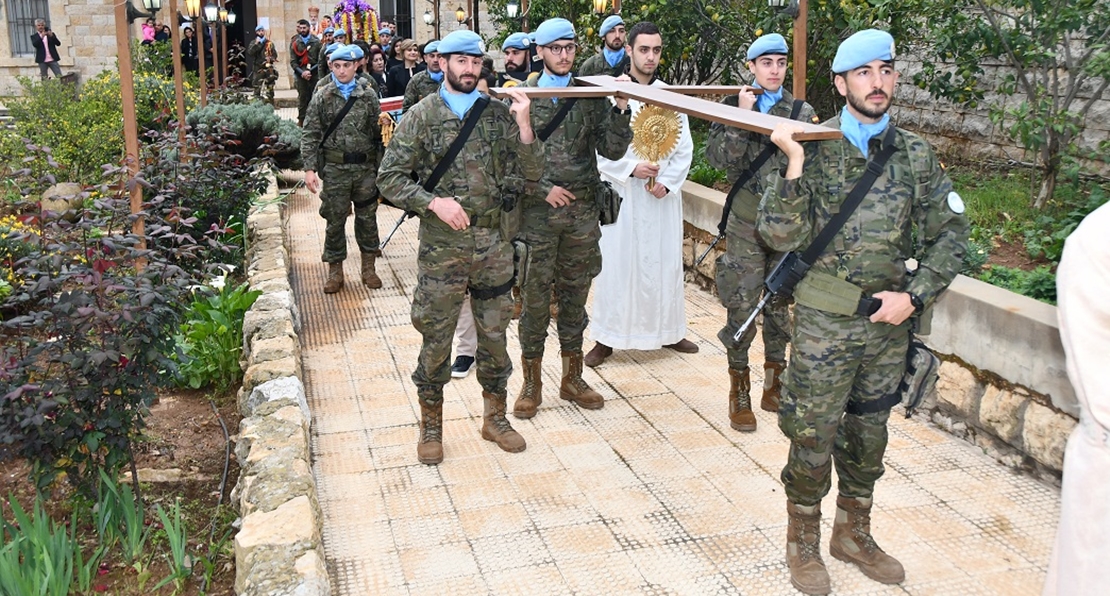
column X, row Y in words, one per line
column 619, row 171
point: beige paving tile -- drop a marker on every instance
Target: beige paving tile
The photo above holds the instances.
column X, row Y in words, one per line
column 653, row 494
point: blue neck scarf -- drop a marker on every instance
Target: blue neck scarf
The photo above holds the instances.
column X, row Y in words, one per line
column 612, row 56
column 549, row 80
column 767, row 99
column 305, row 38
column 345, row 88
column 436, row 76
column 858, row 133
column 459, row 103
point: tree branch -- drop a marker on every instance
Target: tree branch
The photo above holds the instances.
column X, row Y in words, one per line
column 1022, row 73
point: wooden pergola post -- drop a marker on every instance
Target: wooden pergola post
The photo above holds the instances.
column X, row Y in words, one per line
column 130, row 123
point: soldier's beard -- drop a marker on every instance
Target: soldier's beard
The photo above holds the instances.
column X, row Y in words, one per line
column 459, row 85
column 860, row 104
column 616, row 44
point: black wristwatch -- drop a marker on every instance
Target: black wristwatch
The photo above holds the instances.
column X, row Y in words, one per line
column 918, row 305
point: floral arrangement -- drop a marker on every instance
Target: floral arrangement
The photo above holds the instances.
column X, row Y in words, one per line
column 359, row 19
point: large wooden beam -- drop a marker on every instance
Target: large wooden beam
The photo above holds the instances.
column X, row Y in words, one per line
column 595, row 91
column 672, row 98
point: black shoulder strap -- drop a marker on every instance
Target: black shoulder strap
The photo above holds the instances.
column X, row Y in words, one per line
column 568, row 103
column 338, row 118
column 863, row 186
column 752, row 170
column 457, row 145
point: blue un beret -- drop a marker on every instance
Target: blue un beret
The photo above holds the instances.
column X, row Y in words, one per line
column 341, row 32
column 329, row 30
column 385, row 31
column 348, row 52
column 609, row 23
column 331, row 48
column 463, row 41
column 772, row 43
column 431, row 47
column 518, row 40
column 861, row 48
column 554, row 30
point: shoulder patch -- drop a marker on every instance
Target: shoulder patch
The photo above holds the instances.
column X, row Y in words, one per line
column 955, row 203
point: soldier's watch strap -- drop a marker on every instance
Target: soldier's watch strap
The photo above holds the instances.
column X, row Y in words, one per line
column 457, row 145
column 752, row 170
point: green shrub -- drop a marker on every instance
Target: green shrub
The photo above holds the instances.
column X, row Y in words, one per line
column 256, row 128
column 211, row 339
column 1039, row 283
column 976, row 257
column 39, row 556
column 95, row 315
column 1047, row 237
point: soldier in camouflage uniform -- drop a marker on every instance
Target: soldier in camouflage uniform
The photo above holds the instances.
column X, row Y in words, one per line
column 304, row 51
column 263, row 56
column 425, row 82
column 349, row 160
column 747, row 260
column 463, row 244
column 612, row 59
column 845, row 368
column 561, row 220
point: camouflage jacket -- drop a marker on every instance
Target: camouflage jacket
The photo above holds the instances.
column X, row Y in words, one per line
column 733, row 150
column 493, row 162
column 358, row 133
column 262, row 55
column 420, row 86
column 910, row 212
column 570, row 154
column 598, row 65
column 310, row 53
column 322, row 62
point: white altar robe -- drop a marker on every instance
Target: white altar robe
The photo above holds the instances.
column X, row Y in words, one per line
column 638, row 296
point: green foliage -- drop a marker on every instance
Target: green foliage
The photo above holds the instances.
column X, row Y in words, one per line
column 700, row 170
column 975, row 258
column 211, row 338
column 1052, row 51
column 88, row 344
column 121, row 519
column 256, row 128
column 176, row 533
column 1039, row 283
column 1046, row 237
column 997, row 200
column 37, row 555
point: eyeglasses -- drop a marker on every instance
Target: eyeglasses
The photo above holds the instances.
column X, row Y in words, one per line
column 568, row 49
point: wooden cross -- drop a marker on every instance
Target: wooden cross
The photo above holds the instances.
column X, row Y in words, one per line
column 678, row 98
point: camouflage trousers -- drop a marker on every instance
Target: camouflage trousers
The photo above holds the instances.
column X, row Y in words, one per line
column 566, row 256
column 448, row 263
column 346, row 185
column 740, row 274
column 836, row 359
column 263, row 81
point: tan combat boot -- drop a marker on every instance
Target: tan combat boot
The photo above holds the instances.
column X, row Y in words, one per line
column 852, row 542
column 803, row 549
column 531, row 394
column 574, row 387
column 496, row 428
column 370, row 277
column 740, row 415
column 429, row 449
column 772, row 385
column 335, row 278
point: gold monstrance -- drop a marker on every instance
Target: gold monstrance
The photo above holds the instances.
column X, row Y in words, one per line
column 654, row 135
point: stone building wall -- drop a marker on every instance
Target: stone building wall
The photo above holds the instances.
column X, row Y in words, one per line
column 969, row 133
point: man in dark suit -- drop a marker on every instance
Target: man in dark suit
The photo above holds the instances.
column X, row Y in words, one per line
column 46, row 52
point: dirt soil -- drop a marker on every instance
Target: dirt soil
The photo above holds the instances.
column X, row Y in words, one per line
column 1014, row 255
column 182, row 432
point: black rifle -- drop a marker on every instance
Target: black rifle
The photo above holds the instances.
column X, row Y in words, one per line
column 792, row 267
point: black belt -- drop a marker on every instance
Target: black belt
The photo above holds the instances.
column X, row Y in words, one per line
column 345, row 157
column 868, row 306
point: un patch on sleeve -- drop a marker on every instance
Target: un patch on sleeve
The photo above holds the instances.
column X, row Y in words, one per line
column 955, row 203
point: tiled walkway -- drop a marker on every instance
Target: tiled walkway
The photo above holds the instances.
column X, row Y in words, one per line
column 654, row 494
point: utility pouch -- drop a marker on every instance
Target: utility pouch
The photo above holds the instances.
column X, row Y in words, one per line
column 920, row 379
column 522, row 261
column 608, row 203
column 511, row 217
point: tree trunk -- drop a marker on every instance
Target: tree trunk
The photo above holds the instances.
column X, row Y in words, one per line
column 1048, row 188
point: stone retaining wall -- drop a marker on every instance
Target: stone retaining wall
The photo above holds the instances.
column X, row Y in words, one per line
column 1003, row 384
column 278, row 550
